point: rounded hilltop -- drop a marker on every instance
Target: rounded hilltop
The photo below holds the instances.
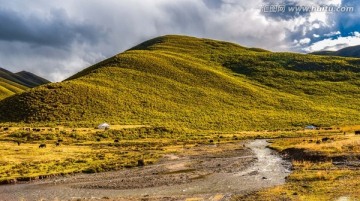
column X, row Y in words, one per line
column 200, row 84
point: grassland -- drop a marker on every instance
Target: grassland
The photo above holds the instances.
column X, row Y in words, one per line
column 23, row 78
column 325, row 170
column 197, row 85
column 190, row 91
column 88, row 150
column 9, row 88
column 13, row 83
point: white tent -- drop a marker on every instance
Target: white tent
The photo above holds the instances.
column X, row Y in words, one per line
column 104, row 126
column 310, row 127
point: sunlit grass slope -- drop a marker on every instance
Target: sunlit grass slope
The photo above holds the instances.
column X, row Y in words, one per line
column 23, row 78
column 8, row 88
column 199, row 84
column 12, row 83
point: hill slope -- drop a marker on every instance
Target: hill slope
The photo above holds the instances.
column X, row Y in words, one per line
column 24, row 78
column 13, row 83
column 8, row 88
column 353, row 51
column 199, row 84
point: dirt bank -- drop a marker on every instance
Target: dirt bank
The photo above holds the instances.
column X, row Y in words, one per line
column 204, row 172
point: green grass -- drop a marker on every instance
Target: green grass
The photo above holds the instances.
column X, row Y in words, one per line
column 23, row 78
column 28, row 161
column 89, row 150
column 199, row 85
column 9, row 88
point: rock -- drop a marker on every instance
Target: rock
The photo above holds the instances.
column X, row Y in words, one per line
column 254, row 173
column 141, row 162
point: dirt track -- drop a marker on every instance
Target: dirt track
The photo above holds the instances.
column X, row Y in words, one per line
column 205, row 172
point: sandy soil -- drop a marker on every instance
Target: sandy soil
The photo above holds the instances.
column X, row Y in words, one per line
column 206, row 172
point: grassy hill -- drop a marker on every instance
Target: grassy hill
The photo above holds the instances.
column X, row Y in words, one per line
column 199, row 84
column 23, row 78
column 353, row 51
column 8, row 88
column 13, row 83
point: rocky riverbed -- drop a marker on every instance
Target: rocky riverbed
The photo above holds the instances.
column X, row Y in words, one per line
column 203, row 172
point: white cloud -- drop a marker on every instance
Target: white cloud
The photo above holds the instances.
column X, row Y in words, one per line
column 316, row 35
column 113, row 26
column 123, row 24
column 334, row 33
column 334, row 44
column 317, row 2
column 315, row 26
column 304, row 41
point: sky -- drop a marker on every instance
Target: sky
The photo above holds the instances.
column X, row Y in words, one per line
column 55, row 39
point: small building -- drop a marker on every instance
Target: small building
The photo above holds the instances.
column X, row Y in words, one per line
column 104, row 126
column 310, row 127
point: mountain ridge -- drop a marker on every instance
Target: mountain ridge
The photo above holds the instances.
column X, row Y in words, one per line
column 200, row 85
column 13, row 83
column 24, row 78
column 9, row 88
column 352, row 51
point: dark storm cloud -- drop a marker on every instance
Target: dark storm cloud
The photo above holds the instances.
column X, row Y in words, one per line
column 213, row 4
column 337, row 46
column 56, row 29
column 58, row 38
column 187, row 18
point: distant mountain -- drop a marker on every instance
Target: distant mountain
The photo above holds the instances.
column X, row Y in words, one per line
column 24, row 78
column 197, row 85
column 13, row 83
column 353, row 51
column 9, row 88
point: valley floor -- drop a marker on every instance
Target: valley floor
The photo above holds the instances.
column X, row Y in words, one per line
column 204, row 166
column 205, row 172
